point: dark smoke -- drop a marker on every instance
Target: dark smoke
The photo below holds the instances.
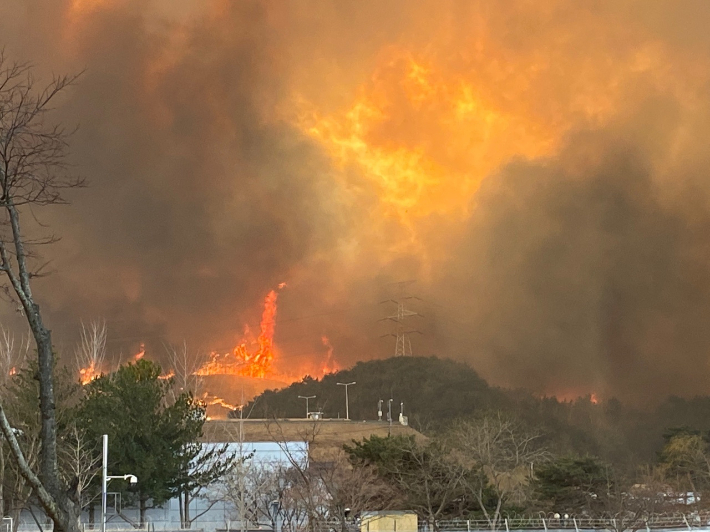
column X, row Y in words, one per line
column 588, row 273
column 585, row 270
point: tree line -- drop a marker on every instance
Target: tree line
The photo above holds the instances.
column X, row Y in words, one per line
column 154, row 430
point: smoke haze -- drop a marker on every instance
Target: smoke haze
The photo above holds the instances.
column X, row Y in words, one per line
column 539, row 167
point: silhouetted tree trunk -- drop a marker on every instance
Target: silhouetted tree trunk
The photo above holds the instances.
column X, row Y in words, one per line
column 32, row 174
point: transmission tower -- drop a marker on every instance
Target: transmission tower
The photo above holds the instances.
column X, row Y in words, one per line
column 400, row 330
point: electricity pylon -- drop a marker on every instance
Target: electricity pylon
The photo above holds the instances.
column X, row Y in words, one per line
column 403, row 345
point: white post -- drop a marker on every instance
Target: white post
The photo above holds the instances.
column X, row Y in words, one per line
column 544, row 524
column 104, row 479
column 347, row 404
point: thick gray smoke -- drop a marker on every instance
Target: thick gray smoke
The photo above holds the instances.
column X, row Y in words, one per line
column 579, row 264
column 588, row 272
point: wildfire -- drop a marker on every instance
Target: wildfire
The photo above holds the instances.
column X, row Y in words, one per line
column 167, row 376
column 329, row 366
column 425, row 137
column 141, row 353
column 212, row 400
column 252, row 357
column 13, row 371
column 89, row 373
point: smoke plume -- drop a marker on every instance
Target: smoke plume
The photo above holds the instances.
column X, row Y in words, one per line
column 539, row 168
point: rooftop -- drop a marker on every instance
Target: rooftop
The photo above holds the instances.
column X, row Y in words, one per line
column 322, row 435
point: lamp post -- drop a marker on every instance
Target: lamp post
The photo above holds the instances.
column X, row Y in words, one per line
column 307, row 397
column 347, row 403
column 105, row 478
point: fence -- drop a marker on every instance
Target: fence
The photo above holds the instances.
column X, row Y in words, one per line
column 548, row 523
column 553, row 522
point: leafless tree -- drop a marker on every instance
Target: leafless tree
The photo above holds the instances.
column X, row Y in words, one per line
column 325, row 491
column 431, row 480
column 627, row 505
column 184, row 365
column 91, row 352
column 505, row 452
column 13, row 357
column 33, row 173
column 80, row 463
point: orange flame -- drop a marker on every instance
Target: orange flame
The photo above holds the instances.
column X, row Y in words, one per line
column 89, row 373
column 13, row 371
column 213, row 400
column 167, row 376
column 140, row 354
column 251, row 357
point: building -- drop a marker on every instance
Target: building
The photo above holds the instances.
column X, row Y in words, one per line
column 264, row 444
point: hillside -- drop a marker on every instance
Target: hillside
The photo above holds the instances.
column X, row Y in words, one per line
column 435, row 392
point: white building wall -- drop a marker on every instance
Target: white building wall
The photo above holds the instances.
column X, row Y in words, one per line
column 221, row 515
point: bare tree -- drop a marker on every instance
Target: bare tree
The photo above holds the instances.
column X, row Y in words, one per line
column 505, row 452
column 627, row 505
column 13, row 355
column 325, row 491
column 184, row 366
column 80, row 463
column 33, row 173
column 91, row 352
column 13, row 358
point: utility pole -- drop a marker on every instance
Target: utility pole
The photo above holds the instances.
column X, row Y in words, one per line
column 379, row 410
column 105, row 477
column 242, row 486
column 307, row 397
column 389, row 417
column 347, row 403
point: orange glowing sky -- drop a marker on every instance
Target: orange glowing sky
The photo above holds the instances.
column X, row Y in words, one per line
column 343, row 146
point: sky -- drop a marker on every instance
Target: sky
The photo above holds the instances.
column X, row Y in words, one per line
column 537, row 168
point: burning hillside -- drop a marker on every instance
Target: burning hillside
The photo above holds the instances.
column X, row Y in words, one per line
column 224, row 380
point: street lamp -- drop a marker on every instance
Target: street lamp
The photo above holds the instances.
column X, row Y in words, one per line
column 105, row 478
column 347, row 404
column 307, row 397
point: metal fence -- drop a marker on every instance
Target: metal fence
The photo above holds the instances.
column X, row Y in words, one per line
column 554, row 522
column 546, row 523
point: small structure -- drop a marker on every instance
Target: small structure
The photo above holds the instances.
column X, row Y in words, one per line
column 389, row 521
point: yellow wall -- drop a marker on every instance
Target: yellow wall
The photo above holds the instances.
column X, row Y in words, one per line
column 389, row 522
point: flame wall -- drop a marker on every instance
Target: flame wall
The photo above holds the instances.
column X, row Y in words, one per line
column 539, row 167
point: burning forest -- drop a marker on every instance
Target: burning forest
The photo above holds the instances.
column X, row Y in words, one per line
column 222, row 380
column 537, row 168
